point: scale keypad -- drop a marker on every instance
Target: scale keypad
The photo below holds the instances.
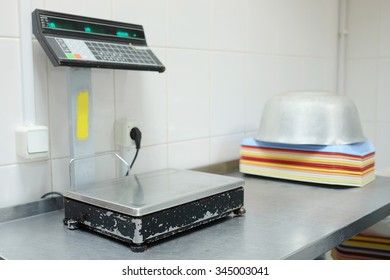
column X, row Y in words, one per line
column 105, row 52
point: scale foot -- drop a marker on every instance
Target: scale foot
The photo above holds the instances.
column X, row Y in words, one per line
column 71, row 224
column 241, row 211
column 138, row 248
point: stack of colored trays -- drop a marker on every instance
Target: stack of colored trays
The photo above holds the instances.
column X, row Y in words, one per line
column 346, row 165
column 361, row 247
column 371, row 244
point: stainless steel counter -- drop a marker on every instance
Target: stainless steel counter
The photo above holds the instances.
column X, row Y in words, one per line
column 284, row 220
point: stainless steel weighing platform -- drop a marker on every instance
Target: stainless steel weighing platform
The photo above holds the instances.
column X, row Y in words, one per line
column 144, row 208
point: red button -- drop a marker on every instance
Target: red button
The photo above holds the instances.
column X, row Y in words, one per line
column 76, row 55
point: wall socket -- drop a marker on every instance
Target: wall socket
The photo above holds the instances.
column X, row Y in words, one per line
column 122, row 132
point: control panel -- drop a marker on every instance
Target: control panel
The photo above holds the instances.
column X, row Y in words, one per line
column 77, row 41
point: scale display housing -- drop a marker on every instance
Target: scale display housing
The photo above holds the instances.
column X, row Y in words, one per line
column 79, row 41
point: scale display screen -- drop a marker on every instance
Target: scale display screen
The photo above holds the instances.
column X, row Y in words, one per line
column 71, row 40
column 88, row 27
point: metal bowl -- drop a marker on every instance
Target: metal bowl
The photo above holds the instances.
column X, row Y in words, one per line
column 310, row 118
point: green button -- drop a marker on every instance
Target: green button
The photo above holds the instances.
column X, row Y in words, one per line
column 70, row 55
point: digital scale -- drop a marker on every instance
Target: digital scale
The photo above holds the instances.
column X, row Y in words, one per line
column 137, row 209
column 76, row 41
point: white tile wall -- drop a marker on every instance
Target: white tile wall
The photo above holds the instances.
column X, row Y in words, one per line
column 24, row 182
column 228, row 25
column 92, row 8
column 188, row 94
column 304, row 28
column 9, row 23
column 224, row 59
column 151, row 14
column 382, row 145
column 228, row 90
column 290, row 73
column 188, row 24
column 40, row 85
column 151, row 158
column 368, row 69
column 384, row 28
column 369, row 130
column 189, row 154
column 58, row 112
column 361, row 83
column 316, row 74
column 11, row 113
column 261, row 85
column 142, row 96
column 60, row 174
column 363, row 28
column 224, row 148
column 262, row 19
column 383, row 99
column 293, row 27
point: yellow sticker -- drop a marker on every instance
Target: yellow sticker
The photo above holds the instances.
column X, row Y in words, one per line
column 82, row 115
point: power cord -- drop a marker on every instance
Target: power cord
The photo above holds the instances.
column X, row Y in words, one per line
column 51, row 193
column 136, row 135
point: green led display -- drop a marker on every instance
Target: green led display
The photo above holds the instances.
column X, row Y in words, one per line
column 93, row 28
column 122, row 34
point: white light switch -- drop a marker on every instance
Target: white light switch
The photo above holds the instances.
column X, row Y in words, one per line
column 37, row 141
column 32, row 142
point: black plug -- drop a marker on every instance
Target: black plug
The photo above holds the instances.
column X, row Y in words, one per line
column 136, row 135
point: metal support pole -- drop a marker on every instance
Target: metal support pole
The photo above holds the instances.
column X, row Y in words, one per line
column 80, row 114
column 343, row 33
